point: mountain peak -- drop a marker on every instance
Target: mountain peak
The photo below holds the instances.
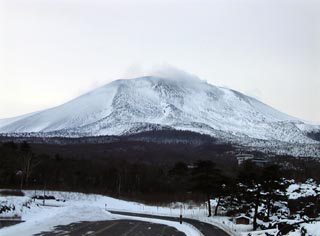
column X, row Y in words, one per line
column 166, row 99
column 165, row 72
column 175, row 74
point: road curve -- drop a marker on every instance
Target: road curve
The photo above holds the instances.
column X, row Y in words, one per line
column 112, row 228
column 205, row 228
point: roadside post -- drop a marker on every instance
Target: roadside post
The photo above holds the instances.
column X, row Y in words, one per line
column 180, row 215
column 44, row 194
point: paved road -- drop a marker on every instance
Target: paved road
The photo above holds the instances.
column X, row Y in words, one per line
column 113, row 228
column 205, row 228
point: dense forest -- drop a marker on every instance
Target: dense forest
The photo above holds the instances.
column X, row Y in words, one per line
column 142, row 175
column 236, row 187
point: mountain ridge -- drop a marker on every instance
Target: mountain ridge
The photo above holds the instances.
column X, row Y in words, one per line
column 149, row 103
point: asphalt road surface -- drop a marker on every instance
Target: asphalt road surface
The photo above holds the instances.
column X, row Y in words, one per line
column 113, row 228
column 205, row 228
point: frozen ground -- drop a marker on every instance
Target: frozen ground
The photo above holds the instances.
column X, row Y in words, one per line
column 75, row 207
column 72, row 207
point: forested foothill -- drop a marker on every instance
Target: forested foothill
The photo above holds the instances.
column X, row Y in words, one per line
column 168, row 172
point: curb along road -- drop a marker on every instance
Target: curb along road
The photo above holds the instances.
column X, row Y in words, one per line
column 205, row 228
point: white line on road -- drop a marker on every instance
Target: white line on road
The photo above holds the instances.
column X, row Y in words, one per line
column 130, row 230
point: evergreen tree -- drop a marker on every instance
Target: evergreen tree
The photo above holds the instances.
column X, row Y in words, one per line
column 249, row 177
column 272, row 186
column 206, row 179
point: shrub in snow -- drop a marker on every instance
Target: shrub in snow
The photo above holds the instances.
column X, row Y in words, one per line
column 6, row 208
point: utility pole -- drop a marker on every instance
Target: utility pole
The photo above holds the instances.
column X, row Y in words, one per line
column 44, row 194
column 20, row 174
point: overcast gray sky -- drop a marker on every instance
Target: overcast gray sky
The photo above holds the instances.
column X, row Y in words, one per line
column 54, row 50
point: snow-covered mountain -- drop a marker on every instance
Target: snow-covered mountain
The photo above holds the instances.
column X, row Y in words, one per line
column 148, row 103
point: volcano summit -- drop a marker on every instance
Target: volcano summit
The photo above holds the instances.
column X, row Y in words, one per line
column 149, row 103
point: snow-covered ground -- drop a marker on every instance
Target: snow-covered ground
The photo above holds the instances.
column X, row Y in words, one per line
column 309, row 188
column 71, row 207
column 75, row 207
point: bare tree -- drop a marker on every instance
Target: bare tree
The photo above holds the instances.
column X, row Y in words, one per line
column 27, row 161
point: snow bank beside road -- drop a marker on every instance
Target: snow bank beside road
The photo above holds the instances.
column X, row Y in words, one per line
column 76, row 207
column 43, row 218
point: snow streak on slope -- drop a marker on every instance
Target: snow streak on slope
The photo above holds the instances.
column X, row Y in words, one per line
column 148, row 103
column 78, row 112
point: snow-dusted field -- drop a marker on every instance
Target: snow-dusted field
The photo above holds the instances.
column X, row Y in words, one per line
column 76, row 207
column 69, row 207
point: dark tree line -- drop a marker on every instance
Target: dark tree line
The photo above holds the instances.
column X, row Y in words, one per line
column 202, row 177
column 17, row 162
column 261, row 185
column 22, row 167
column 246, row 188
column 252, row 186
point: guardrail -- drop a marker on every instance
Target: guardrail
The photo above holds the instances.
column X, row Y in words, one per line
column 227, row 228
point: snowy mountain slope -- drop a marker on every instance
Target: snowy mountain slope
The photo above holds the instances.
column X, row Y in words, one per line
column 85, row 109
column 148, row 103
